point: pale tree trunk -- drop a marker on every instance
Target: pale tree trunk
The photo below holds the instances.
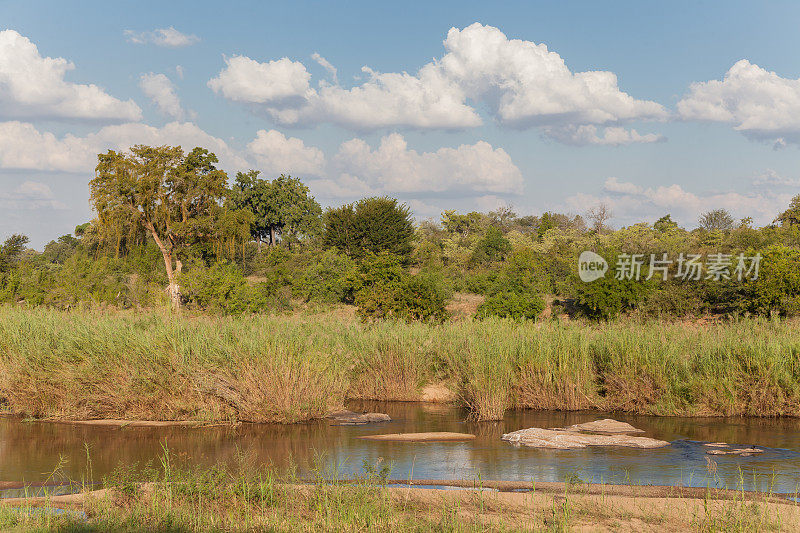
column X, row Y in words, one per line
column 173, row 288
column 272, row 235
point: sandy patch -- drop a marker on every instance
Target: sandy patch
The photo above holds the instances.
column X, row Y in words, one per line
column 436, row 436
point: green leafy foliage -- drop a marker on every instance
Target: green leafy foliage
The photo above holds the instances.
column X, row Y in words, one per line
column 329, row 279
column 605, row 298
column 370, row 226
column 383, row 289
column 281, row 207
column 492, row 247
column 777, row 289
column 222, row 288
column 512, row 305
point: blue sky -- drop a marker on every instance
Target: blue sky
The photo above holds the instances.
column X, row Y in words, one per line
column 484, row 117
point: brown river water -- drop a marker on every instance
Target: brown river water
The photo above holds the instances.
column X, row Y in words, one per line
column 30, row 451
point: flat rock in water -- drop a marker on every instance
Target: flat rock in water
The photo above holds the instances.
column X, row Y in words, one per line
column 349, row 418
column 744, row 452
column 564, row 440
column 436, row 436
column 607, row 426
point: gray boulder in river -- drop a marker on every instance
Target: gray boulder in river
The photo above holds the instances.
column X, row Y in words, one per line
column 605, row 432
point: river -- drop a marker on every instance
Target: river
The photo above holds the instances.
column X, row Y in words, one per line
column 32, row 451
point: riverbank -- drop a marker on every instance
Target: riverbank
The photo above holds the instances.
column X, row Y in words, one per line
column 286, row 369
column 210, row 502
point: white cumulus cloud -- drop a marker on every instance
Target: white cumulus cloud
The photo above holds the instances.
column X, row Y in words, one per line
column 281, row 82
column 275, row 154
column 166, row 37
column 632, row 203
column 394, row 168
column 30, row 195
column 611, row 135
column 32, row 86
column 357, row 169
column 521, row 83
column 162, row 92
column 759, row 103
column 23, row 146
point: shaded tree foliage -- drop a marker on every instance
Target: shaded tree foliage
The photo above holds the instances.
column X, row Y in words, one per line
column 370, row 226
column 175, row 197
column 281, row 207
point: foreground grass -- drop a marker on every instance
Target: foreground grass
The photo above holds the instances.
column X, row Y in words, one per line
column 152, row 365
column 257, row 499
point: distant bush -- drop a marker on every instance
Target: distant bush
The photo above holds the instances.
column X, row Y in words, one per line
column 777, row 288
column 672, row 299
column 411, row 298
column 605, row 298
column 373, row 271
column 492, row 247
column 329, row 280
column 370, row 226
column 512, row 305
column 222, row 288
column 383, row 289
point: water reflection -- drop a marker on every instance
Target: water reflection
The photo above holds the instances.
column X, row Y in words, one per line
column 31, row 450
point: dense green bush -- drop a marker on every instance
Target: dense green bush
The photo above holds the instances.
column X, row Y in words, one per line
column 84, row 280
column 492, row 247
column 383, row 289
column 329, row 280
column 222, row 288
column 519, row 306
column 672, row 300
column 377, row 225
column 605, row 298
column 409, row 298
column 777, row 288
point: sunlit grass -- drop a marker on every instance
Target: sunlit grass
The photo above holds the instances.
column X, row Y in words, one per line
column 153, row 365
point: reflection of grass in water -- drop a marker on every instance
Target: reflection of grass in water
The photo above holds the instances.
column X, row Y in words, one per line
column 248, row 496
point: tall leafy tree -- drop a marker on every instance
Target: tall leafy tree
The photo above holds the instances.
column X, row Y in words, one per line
column 371, row 225
column 282, row 207
column 11, row 250
column 716, row 220
column 174, row 196
column 791, row 216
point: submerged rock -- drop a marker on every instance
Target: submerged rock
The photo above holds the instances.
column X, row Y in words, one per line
column 349, row 418
column 744, row 452
column 721, row 448
column 562, row 439
column 607, row 426
column 435, row 436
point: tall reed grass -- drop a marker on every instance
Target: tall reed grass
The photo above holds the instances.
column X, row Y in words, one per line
column 153, row 365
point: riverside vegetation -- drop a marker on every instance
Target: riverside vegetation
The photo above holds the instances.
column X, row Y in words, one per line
column 294, row 367
column 257, row 275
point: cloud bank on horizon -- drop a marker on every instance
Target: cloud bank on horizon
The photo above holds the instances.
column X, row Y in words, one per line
column 481, row 79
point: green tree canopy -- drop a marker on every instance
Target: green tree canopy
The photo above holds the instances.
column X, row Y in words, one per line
column 11, row 250
column 716, row 220
column 282, row 207
column 371, row 225
column 175, row 197
column 791, row 216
